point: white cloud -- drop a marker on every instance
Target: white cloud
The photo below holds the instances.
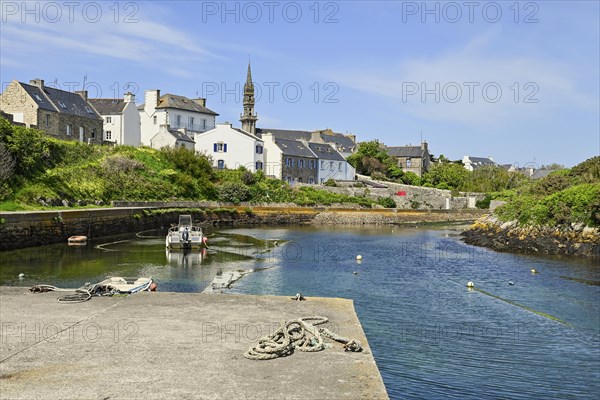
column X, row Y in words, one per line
column 146, row 42
column 473, row 85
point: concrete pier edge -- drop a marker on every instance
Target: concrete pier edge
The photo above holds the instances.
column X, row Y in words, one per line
column 173, row 345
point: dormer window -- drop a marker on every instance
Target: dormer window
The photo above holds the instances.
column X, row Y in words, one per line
column 89, row 111
column 60, row 103
column 38, row 98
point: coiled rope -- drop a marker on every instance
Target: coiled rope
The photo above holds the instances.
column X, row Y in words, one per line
column 298, row 334
column 81, row 294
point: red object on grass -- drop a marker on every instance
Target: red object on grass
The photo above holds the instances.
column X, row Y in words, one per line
column 401, row 193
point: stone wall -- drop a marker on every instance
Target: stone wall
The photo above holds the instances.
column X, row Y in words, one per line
column 34, row 228
column 26, row 229
column 416, row 198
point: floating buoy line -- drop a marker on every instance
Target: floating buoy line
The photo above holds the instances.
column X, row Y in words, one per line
column 513, row 303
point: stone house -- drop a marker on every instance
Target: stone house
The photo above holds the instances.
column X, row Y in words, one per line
column 58, row 113
column 167, row 137
column 412, row 158
column 121, row 119
column 231, row 147
column 178, row 112
column 290, row 160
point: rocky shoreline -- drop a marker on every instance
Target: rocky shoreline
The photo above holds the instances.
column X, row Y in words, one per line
column 576, row 240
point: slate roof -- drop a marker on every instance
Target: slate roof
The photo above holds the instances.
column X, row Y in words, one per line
column 285, row 134
column 60, row 101
column 182, row 103
column 406, row 151
column 294, row 148
column 247, row 133
column 325, row 152
column 482, row 160
column 108, row 106
column 340, row 140
column 180, row 136
column 541, row 173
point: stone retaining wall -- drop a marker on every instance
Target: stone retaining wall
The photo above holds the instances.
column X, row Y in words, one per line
column 34, row 228
column 416, row 197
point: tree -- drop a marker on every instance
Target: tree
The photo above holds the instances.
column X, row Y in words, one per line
column 553, row 166
column 446, row 175
column 371, row 157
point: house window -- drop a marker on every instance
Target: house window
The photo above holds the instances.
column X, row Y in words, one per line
column 300, row 179
column 340, row 166
column 288, row 162
column 37, row 96
column 47, row 120
column 60, row 103
column 178, row 120
column 109, row 120
column 69, row 129
column 221, row 164
column 259, row 149
column 300, row 163
column 204, row 124
column 191, row 122
column 93, row 133
column 288, row 179
column 311, row 180
column 322, row 164
column 220, row 147
column 154, row 119
column 259, row 166
column 331, row 165
column 108, row 135
column 408, row 163
column 89, row 110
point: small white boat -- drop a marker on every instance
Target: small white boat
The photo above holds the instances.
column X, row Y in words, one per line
column 120, row 285
column 185, row 235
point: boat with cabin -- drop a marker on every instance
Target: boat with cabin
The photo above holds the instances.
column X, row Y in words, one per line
column 185, row 236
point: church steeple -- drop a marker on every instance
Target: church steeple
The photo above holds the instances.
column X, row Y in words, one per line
column 248, row 118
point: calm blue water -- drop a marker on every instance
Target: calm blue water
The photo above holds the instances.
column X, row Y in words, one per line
column 430, row 335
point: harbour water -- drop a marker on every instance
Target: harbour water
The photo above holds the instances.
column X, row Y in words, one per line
column 517, row 334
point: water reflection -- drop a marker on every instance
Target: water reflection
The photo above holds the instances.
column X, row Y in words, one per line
column 186, row 259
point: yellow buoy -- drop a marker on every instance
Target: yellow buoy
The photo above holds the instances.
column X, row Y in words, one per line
column 470, row 284
column 359, row 257
column 533, row 271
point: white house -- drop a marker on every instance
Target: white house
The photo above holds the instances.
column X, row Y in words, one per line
column 231, row 147
column 472, row 163
column 331, row 164
column 121, row 119
column 167, row 137
column 178, row 112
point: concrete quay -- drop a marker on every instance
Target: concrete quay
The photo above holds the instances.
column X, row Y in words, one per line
column 173, row 346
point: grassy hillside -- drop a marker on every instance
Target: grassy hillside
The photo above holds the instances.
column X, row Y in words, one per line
column 37, row 171
column 560, row 199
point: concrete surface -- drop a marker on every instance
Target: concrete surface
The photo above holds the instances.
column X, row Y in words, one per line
column 173, row 346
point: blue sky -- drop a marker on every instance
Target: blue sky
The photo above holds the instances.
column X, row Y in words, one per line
column 518, row 81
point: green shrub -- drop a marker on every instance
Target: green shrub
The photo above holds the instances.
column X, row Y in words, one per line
column 484, row 203
column 410, row 178
column 386, row 202
column 330, row 182
column 233, row 192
